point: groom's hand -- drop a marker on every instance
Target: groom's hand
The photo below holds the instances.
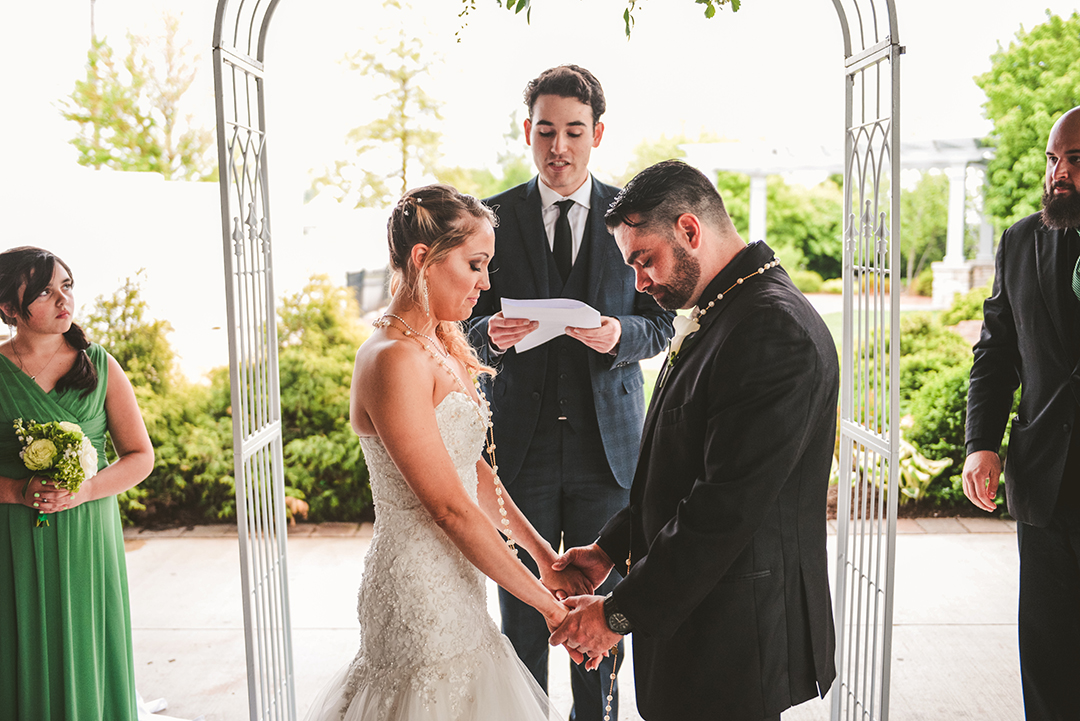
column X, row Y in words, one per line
column 590, row 560
column 566, row 582
column 584, row 632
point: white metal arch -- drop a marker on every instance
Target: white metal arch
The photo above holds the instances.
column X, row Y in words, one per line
column 869, row 415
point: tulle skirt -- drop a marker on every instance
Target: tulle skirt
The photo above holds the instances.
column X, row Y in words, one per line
column 475, row 687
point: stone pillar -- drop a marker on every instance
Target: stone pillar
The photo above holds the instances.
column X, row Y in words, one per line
column 952, row 275
column 982, row 268
column 758, row 202
column 954, row 244
column 948, row 281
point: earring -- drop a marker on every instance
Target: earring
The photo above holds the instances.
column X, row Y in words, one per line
column 424, row 295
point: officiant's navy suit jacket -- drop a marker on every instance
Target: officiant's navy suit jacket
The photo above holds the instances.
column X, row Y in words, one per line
column 522, row 268
column 728, row 594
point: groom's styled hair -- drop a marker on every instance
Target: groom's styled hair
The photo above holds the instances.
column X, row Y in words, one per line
column 663, row 192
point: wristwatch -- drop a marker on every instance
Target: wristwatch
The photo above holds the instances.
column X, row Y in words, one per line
column 616, row 621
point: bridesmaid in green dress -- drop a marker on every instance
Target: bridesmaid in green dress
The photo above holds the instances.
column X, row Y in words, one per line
column 65, row 627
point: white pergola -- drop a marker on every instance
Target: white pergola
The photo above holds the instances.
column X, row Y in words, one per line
column 954, row 274
column 869, row 398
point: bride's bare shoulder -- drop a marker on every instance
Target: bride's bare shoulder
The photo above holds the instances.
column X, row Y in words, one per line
column 384, row 360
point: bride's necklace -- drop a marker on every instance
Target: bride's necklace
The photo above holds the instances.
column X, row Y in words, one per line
column 441, row 358
column 409, row 330
column 22, row 364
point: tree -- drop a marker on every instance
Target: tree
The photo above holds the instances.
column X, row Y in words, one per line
column 517, row 6
column 192, row 477
column 130, row 114
column 809, row 221
column 405, row 133
column 1027, row 87
column 650, row 152
column 924, row 218
column 803, row 224
column 515, row 167
column 139, row 344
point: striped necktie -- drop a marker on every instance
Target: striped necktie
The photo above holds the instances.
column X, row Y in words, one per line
column 1076, row 279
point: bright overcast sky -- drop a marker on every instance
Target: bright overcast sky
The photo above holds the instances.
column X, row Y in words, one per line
column 772, row 72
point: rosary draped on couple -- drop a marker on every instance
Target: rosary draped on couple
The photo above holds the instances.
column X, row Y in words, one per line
column 697, row 524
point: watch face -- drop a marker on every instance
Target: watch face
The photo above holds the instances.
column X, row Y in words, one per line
column 618, row 623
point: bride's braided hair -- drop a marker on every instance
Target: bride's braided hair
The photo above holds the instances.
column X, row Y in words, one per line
column 34, row 267
column 432, row 215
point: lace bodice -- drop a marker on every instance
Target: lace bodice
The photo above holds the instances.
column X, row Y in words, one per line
column 462, row 432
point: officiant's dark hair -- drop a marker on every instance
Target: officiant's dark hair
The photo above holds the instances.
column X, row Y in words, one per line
column 34, row 267
column 663, row 192
column 435, row 216
column 568, row 81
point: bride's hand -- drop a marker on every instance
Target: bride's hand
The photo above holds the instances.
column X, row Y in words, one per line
column 570, row 581
column 556, row 615
column 554, row 620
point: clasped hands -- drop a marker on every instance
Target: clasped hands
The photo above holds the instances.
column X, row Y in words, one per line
column 505, row 333
column 572, row 578
column 43, row 495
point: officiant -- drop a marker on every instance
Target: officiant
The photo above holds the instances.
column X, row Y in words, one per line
column 567, row 414
column 728, row 590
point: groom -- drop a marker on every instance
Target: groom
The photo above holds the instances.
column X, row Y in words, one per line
column 727, row 593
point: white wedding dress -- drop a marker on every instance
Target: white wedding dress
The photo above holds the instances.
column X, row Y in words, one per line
column 429, row 650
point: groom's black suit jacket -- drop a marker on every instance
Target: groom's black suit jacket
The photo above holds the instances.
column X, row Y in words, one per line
column 728, row 594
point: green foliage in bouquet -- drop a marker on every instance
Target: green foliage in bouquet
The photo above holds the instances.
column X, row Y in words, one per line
column 57, row 450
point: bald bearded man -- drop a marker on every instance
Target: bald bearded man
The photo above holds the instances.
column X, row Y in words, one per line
column 1031, row 339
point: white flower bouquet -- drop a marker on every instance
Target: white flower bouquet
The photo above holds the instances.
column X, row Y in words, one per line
column 58, row 450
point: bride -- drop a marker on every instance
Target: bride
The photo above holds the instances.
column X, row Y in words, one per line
column 428, row 648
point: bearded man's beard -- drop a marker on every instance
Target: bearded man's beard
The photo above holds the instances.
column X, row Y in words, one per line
column 1061, row 213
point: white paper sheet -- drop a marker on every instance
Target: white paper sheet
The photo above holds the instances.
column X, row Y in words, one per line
column 554, row 315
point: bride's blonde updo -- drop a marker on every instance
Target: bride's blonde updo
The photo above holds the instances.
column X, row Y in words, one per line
column 433, row 215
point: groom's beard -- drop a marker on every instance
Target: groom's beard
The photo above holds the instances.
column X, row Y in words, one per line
column 680, row 287
column 1061, row 213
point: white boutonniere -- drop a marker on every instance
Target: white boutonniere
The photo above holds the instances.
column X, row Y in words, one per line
column 684, row 326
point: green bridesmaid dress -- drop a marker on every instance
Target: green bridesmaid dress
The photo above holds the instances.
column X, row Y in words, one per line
column 65, row 625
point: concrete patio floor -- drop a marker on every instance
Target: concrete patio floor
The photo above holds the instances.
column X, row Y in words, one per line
column 954, row 638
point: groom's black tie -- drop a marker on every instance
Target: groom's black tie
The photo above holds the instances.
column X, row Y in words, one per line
column 563, row 247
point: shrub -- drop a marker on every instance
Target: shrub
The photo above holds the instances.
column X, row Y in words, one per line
column 833, row 285
column 924, row 283
column 867, row 284
column 939, row 409
column 190, row 426
column 191, row 481
column 806, row 281
column 967, row 307
column 324, row 466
